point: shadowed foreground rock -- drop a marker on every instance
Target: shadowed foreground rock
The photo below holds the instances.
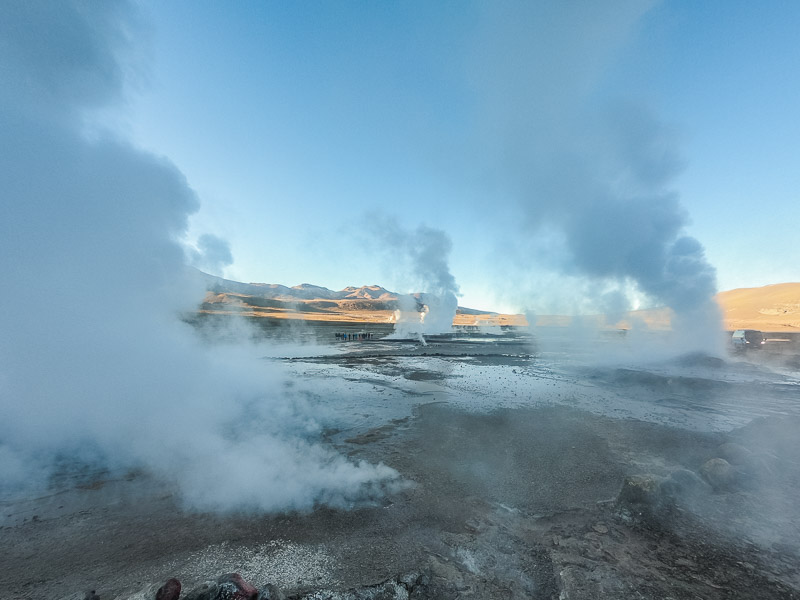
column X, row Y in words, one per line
column 171, row 590
column 227, row 587
column 639, row 490
column 719, row 473
column 233, row 587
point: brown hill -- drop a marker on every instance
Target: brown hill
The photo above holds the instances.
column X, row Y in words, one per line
column 773, row 308
column 365, row 304
column 355, row 309
column 768, row 308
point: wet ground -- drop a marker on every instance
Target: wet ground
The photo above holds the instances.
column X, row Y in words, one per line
column 549, row 466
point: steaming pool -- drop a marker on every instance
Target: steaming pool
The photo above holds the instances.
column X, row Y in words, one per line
column 516, row 456
column 384, row 379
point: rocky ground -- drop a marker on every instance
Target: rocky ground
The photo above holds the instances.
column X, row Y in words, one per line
column 525, row 500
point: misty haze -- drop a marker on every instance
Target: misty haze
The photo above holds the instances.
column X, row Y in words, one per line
column 548, row 340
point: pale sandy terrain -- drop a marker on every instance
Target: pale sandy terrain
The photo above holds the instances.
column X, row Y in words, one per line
column 774, row 308
column 769, row 308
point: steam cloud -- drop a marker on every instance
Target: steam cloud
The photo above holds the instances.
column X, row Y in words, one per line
column 422, row 255
column 591, row 174
column 94, row 359
column 211, row 255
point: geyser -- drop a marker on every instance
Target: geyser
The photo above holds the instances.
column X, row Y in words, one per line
column 95, row 363
column 589, row 173
column 421, row 255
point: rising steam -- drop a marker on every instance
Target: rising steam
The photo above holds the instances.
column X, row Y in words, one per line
column 95, row 363
column 591, row 174
column 211, row 254
column 421, row 255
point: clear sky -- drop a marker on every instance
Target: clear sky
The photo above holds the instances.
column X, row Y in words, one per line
column 297, row 123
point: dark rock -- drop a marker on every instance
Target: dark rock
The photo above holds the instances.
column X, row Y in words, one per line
column 420, row 589
column 683, row 483
column 639, row 489
column 91, row 595
column 233, row 587
column 207, row 591
column 171, row 590
column 271, row 592
column 227, row 587
column 417, row 584
column 719, row 473
column 409, row 580
column 645, row 500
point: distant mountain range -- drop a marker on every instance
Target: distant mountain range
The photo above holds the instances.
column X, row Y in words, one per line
column 304, row 291
column 769, row 308
column 368, row 303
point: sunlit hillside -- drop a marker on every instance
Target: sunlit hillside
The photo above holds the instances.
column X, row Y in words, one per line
column 769, row 308
column 772, row 308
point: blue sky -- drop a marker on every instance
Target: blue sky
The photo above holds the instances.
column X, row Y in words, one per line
column 295, row 121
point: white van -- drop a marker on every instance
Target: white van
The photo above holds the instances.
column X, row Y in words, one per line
column 748, row 338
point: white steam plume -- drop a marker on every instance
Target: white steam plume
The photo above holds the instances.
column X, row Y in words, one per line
column 95, row 363
column 421, row 256
column 591, row 174
column 211, row 254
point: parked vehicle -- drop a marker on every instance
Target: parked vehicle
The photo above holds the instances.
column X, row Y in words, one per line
column 747, row 338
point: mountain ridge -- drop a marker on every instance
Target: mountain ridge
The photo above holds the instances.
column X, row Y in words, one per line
column 305, row 301
column 302, row 291
column 773, row 307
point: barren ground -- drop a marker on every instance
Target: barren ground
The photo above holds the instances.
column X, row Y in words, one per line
column 517, row 455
